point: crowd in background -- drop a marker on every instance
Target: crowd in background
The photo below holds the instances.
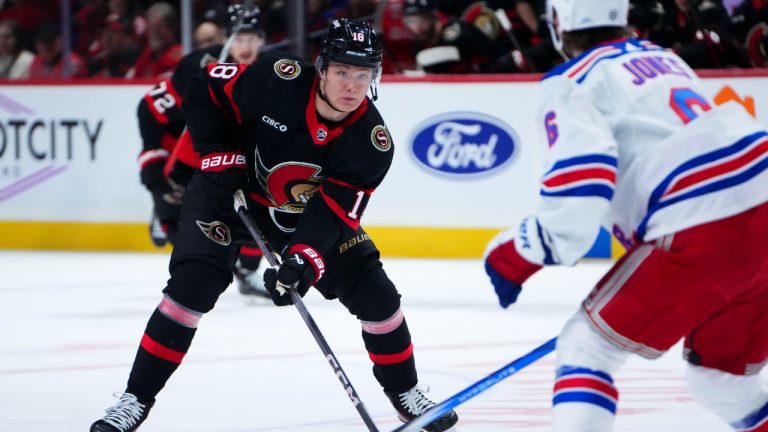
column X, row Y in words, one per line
column 140, row 38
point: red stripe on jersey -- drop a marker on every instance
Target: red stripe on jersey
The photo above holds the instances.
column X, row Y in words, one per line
column 714, row 171
column 345, row 184
column 168, row 141
column 582, row 383
column 590, row 59
column 390, row 359
column 184, row 152
column 339, row 211
column 580, row 175
column 251, row 251
column 229, row 86
column 261, row 200
column 157, row 350
column 214, row 98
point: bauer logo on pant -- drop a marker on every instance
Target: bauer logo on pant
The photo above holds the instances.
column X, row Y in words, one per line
column 216, row 231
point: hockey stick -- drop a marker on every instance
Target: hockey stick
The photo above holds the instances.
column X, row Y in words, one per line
column 272, row 259
column 475, row 389
column 247, row 4
column 520, row 59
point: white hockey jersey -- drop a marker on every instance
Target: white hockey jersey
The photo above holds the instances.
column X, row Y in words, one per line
column 637, row 145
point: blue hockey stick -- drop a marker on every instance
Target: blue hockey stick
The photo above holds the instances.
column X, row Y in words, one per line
column 475, row 389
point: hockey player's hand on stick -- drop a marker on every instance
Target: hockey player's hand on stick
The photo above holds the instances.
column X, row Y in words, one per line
column 506, row 268
column 294, row 273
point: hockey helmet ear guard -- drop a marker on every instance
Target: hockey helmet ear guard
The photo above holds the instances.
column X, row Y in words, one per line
column 354, row 43
column 573, row 15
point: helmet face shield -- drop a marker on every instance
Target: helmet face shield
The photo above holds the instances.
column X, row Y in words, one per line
column 353, row 43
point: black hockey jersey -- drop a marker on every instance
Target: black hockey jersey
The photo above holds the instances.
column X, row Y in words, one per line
column 297, row 163
column 159, row 111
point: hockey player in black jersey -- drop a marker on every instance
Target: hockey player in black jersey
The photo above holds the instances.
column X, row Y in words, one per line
column 309, row 148
column 168, row 160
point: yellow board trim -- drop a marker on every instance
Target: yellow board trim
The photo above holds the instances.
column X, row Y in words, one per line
column 407, row 242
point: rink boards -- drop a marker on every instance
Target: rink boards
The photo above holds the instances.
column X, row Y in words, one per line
column 467, row 161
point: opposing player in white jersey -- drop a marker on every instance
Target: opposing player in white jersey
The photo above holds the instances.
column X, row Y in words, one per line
column 636, row 144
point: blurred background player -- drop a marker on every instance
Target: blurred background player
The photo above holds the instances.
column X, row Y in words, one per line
column 309, row 148
column 635, row 141
column 167, row 160
column 445, row 44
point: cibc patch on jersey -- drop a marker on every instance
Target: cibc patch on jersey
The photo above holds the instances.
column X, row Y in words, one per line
column 380, row 138
column 287, row 69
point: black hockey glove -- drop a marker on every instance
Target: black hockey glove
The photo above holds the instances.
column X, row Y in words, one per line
column 295, row 273
column 166, row 198
column 221, row 175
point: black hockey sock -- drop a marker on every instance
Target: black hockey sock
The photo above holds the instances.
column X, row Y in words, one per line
column 163, row 346
column 392, row 355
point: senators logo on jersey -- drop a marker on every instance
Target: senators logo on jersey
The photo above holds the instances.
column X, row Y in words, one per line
column 287, row 69
column 290, row 185
column 380, row 138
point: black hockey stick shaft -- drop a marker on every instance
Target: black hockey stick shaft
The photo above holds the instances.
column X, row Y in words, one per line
column 330, row 357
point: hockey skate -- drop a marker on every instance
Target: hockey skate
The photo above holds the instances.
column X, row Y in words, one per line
column 250, row 282
column 413, row 402
column 125, row 416
column 157, row 232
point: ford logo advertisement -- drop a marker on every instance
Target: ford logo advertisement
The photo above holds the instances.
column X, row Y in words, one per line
column 463, row 144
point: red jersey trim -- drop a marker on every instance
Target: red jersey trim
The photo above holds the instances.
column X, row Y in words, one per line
column 339, row 211
column 321, row 134
column 345, row 184
column 229, row 86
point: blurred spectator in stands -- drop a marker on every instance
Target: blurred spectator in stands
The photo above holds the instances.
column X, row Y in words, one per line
column 359, row 9
column 14, row 59
column 49, row 61
column 30, row 14
column 91, row 20
column 210, row 31
column 445, row 44
column 646, row 19
column 749, row 24
column 119, row 49
column 163, row 50
column 698, row 32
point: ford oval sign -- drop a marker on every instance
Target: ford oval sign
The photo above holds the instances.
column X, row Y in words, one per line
column 463, row 143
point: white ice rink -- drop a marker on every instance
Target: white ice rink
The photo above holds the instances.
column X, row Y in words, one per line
column 70, row 325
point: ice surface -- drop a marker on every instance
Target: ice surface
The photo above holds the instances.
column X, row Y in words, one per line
column 71, row 324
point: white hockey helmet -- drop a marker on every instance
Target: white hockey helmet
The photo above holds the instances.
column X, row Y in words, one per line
column 573, row 15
